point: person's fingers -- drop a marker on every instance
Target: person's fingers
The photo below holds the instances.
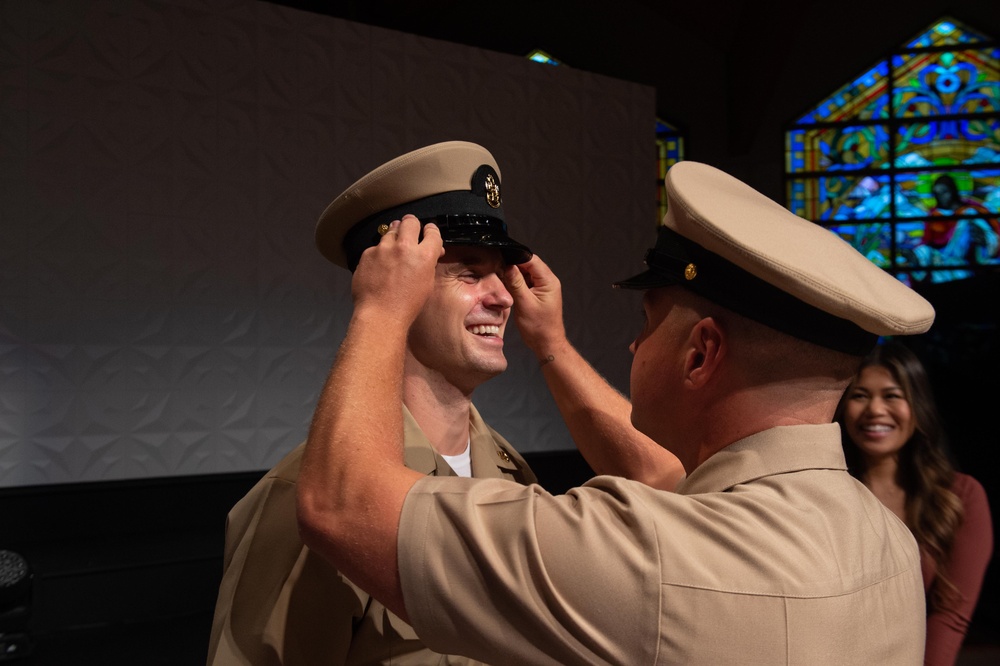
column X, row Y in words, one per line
column 432, row 229
column 512, row 278
column 408, row 227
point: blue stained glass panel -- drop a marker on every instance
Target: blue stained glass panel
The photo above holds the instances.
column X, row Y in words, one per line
column 847, row 197
column 946, row 32
column 864, row 98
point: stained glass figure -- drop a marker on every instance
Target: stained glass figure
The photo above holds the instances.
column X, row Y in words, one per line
column 903, row 161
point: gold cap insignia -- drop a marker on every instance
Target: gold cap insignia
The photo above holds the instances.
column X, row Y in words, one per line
column 492, row 191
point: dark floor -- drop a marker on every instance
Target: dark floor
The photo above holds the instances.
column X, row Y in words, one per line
column 183, row 642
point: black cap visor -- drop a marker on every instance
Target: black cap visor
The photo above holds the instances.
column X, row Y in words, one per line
column 476, row 224
column 678, row 261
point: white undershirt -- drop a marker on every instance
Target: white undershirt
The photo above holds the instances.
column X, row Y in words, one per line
column 461, row 463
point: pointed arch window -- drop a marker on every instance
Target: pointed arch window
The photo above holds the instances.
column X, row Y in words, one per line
column 903, row 162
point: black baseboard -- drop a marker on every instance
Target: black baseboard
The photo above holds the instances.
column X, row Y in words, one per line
column 116, row 566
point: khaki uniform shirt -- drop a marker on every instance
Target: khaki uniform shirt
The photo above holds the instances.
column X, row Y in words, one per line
column 770, row 553
column 280, row 603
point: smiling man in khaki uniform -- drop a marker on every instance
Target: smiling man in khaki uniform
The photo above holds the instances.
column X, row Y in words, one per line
column 279, row 602
column 769, row 552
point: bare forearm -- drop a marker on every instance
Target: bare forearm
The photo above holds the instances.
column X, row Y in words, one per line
column 352, row 483
column 598, row 417
column 599, row 420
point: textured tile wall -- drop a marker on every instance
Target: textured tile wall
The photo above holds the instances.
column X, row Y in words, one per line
column 163, row 310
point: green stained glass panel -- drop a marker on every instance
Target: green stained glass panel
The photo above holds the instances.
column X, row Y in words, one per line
column 838, row 148
column 948, row 141
column 960, row 82
column 952, row 193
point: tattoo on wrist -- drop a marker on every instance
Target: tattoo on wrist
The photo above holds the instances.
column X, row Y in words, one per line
column 546, row 360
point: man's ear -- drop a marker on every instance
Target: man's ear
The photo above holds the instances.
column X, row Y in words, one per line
column 706, row 348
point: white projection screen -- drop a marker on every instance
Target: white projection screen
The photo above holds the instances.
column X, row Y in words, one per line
column 163, row 309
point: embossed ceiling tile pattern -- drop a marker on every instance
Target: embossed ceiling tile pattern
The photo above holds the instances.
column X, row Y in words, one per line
column 295, row 370
column 279, row 143
column 174, row 315
column 522, row 405
column 15, row 40
column 284, row 421
column 388, row 92
column 336, row 71
column 324, row 141
column 150, row 257
column 287, row 326
column 236, row 161
column 193, row 33
column 194, row 249
column 280, row 74
column 237, row 269
column 15, row 266
column 437, row 93
column 238, row 60
column 153, row 44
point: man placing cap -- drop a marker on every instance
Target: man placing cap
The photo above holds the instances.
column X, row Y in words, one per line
column 769, row 553
column 280, row 602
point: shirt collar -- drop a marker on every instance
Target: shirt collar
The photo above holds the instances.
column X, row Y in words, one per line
column 776, row 451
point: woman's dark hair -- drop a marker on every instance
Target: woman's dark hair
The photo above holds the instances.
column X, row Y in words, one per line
column 926, row 471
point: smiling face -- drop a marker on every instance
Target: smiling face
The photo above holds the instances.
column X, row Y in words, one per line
column 877, row 415
column 458, row 335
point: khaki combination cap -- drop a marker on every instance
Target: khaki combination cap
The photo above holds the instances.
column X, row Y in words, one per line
column 455, row 184
column 732, row 245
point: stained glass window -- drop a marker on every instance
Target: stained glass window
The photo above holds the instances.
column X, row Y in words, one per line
column 669, row 151
column 541, row 56
column 903, row 161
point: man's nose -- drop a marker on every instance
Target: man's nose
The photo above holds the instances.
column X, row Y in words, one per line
column 497, row 295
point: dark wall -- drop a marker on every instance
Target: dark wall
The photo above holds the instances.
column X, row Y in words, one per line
column 163, row 308
column 126, row 572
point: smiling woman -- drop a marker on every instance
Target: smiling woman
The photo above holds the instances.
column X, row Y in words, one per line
column 895, row 444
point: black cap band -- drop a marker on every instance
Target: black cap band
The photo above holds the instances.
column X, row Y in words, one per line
column 464, row 217
column 678, row 261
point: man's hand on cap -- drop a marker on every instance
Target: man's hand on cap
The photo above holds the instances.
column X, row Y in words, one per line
column 537, row 308
column 397, row 276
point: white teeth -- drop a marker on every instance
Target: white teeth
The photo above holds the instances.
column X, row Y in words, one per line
column 877, row 428
column 485, row 330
